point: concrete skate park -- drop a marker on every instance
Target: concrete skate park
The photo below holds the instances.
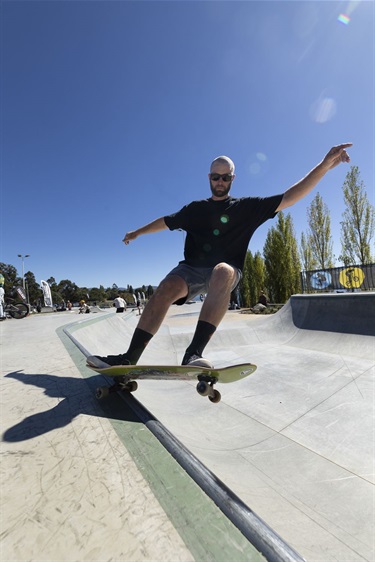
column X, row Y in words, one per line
column 280, row 469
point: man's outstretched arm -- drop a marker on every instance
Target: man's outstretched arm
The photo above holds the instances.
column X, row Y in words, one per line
column 335, row 156
column 154, row 226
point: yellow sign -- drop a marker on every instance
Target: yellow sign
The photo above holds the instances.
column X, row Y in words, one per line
column 351, row 277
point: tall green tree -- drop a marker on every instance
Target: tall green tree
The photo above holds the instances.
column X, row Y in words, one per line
column 253, row 276
column 281, row 258
column 10, row 279
column 52, row 283
column 259, row 275
column 98, row 295
column 69, row 291
column 319, row 235
column 245, row 281
column 308, row 261
column 33, row 290
column 358, row 225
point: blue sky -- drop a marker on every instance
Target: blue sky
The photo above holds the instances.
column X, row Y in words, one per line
column 112, row 112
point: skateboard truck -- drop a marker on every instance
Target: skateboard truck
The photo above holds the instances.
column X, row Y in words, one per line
column 205, row 387
column 103, row 391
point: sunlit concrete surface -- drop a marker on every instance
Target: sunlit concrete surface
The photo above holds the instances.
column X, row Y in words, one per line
column 295, row 440
column 82, row 481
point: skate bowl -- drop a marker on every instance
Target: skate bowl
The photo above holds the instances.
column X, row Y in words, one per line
column 295, row 440
column 347, row 313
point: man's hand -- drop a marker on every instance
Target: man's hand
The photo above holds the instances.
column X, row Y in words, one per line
column 336, row 155
column 129, row 236
column 154, row 226
column 333, row 158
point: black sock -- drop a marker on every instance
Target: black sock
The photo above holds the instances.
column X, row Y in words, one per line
column 202, row 336
column 137, row 345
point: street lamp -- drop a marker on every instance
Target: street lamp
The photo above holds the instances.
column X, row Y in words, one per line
column 23, row 268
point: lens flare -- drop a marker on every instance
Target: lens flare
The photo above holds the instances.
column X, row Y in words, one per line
column 323, row 109
column 343, row 18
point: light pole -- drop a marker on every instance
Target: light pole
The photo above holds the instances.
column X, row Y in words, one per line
column 23, row 268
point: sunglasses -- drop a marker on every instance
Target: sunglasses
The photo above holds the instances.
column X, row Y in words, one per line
column 224, row 177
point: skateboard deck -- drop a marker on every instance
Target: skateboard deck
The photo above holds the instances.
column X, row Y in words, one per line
column 126, row 376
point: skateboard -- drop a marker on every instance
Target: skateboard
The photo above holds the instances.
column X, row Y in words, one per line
column 126, row 376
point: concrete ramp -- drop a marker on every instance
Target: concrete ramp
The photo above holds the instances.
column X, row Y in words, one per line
column 296, row 439
column 348, row 313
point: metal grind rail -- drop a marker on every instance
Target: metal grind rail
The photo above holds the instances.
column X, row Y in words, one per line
column 257, row 532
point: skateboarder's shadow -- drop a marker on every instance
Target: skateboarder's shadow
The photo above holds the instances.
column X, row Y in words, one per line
column 76, row 397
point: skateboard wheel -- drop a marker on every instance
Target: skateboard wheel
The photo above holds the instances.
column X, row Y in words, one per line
column 132, row 386
column 101, row 392
column 203, row 388
column 216, row 397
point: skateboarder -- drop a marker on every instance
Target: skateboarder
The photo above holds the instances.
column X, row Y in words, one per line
column 218, row 231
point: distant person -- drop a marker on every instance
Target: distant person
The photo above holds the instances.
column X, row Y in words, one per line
column 261, row 304
column 139, row 306
column 2, row 297
column 263, row 299
column 218, row 231
column 69, row 305
column 120, row 304
column 83, row 307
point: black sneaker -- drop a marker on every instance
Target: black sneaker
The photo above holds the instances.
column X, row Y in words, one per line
column 196, row 361
column 107, row 361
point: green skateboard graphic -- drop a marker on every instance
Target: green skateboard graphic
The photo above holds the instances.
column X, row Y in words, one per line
column 126, row 376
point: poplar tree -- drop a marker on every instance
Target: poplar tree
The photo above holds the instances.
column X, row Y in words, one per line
column 357, row 228
column 253, row 276
column 308, row 261
column 319, row 234
column 259, row 276
column 245, row 281
column 282, row 263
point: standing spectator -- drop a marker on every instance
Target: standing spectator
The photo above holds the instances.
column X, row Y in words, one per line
column 120, row 304
column 2, row 295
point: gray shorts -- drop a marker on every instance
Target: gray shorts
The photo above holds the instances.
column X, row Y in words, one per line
column 198, row 279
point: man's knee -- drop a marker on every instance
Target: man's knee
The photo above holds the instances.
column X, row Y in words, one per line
column 223, row 273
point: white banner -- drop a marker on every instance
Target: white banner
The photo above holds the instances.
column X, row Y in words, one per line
column 46, row 293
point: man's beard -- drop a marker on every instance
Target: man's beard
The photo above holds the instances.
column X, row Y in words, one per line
column 220, row 191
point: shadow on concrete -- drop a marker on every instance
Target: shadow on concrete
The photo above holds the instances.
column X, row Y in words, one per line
column 76, row 398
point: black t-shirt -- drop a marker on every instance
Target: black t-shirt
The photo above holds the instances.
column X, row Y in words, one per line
column 220, row 231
